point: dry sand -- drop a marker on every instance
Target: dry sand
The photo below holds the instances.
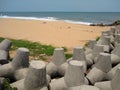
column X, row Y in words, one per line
column 56, row 33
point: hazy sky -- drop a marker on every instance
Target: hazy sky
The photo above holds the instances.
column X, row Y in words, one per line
column 61, row 5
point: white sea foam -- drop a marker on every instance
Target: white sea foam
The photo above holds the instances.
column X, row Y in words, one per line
column 77, row 22
column 45, row 19
column 31, row 18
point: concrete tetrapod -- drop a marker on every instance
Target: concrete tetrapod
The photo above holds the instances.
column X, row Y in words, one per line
column 105, row 41
column 117, row 39
column 101, row 68
column 115, row 55
column 35, row 79
column 74, row 76
column 74, row 71
column 84, row 87
column 110, row 85
column 106, row 85
column 104, row 62
column 4, row 57
column 58, row 64
column 117, row 29
column 94, row 55
column 5, row 46
column 78, row 54
column 58, row 84
column 111, row 33
column 20, row 73
column 104, row 33
column 20, row 61
column 115, row 83
column 36, row 76
column 90, row 47
column 96, row 51
column 112, row 72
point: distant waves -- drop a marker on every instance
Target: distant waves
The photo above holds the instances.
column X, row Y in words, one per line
column 86, row 18
column 45, row 19
column 30, row 18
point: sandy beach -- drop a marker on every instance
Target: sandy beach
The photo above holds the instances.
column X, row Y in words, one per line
column 56, row 33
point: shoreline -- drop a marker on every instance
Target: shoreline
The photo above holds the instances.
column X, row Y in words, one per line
column 56, row 33
column 45, row 19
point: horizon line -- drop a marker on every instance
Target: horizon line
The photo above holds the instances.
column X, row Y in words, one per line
column 67, row 11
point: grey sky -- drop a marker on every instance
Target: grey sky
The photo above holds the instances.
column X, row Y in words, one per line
column 61, row 5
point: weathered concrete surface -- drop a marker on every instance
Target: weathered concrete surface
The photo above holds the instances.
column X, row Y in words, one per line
column 20, row 61
column 58, row 64
column 5, row 46
column 84, row 87
column 35, row 79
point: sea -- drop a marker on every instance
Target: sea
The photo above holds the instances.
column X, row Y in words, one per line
column 70, row 17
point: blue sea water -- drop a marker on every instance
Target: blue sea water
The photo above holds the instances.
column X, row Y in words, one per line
column 71, row 17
